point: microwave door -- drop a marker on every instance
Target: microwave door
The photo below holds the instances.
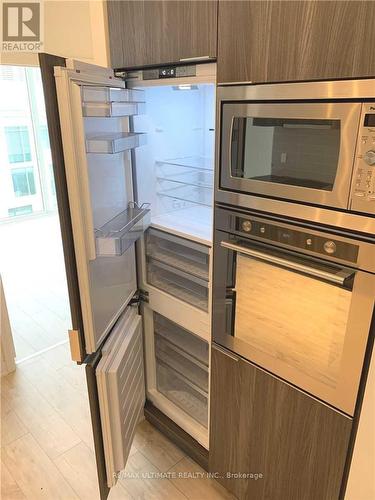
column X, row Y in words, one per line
column 87, row 112
column 296, row 151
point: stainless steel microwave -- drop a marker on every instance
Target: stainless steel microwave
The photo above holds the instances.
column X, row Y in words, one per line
column 311, row 143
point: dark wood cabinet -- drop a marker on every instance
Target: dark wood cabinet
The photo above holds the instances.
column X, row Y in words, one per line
column 143, row 33
column 274, row 41
column 260, row 425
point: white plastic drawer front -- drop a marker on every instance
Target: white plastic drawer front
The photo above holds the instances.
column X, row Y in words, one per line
column 121, row 388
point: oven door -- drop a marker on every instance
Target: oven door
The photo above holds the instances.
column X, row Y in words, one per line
column 293, row 151
column 300, row 318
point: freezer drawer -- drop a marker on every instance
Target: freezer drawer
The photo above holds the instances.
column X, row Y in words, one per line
column 181, row 362
column 177, row 252
column 121, row 390
column 185, row 341
column 178, row 283
column 180, row 392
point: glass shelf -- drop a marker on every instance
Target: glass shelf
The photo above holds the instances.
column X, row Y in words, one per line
column 200, row 178
column 114, row 142
column 196, row 162
column 108, row 94
column 117, row 235
column 188, row 193
column 114, row 109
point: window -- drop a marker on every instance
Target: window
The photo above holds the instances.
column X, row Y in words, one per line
column 24, row 210
column 23, row 181
column 18, row 144
column 44, row 137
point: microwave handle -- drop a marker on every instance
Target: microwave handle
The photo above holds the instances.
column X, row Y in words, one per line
column 338, row 278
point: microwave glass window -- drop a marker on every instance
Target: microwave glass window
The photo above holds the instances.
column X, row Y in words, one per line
column 291, row 317
column 296, row 152
column 369, row 120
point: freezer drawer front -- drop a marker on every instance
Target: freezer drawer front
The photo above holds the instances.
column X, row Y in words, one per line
column 121, row 390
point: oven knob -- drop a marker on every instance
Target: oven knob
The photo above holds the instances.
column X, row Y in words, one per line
column 247, row 226
column 330, row 246
column 369, row 157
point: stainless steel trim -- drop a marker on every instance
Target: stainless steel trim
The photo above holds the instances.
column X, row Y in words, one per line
column 315, row 215
column 338, row 89
column 198, row 58
column 225, row 351
column 338, row 278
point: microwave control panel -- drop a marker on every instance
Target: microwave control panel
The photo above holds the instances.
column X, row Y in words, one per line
column 363, row 184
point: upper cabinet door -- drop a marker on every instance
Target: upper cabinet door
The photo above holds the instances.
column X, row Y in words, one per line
column 275, row 41
column 145, row 33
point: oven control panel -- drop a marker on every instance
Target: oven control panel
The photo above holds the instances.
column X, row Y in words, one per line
column 363, row 183
column 297, row 239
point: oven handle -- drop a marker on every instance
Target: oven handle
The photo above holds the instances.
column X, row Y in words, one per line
column 338, row 278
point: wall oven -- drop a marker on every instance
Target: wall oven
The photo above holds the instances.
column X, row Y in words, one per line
column 310, row 143
column 294, row 300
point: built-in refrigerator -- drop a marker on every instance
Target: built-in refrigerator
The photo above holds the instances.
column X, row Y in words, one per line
column 133, row 162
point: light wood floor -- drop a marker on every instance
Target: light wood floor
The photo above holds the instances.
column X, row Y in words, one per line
column 33, row 272
column 47, row 445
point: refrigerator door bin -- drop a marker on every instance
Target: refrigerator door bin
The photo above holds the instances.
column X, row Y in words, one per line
column 182, row 339
column 117, row 235
column 181, row 362
column 179, row 253
column 115, row 142
column 107, row 109
column 180, row 392
column 178, row 283
column 91, row 93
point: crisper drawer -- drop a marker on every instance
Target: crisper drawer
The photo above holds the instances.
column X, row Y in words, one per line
column 178, row 283
column 186, row 255
column 182, row 393
column 182, row 339
column 187, row 366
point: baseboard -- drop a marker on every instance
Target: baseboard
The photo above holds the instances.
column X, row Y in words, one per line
column 177, row 435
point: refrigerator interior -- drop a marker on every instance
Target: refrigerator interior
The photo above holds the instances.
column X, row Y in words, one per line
column 175, row 168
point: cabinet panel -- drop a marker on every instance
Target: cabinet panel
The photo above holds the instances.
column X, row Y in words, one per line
column 267, row 427
column 143, row 33
column 271, row 41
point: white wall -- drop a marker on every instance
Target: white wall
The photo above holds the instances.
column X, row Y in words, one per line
column 72, row 28
column 361, row 483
